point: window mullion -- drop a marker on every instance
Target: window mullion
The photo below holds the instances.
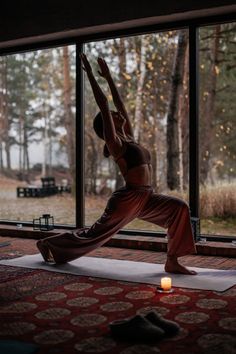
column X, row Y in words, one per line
column 79, row 141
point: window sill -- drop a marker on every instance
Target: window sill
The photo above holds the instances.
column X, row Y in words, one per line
column 209, row 248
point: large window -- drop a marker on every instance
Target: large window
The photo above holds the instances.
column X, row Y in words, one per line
column 37, row 135
column 157, row 75
column 151, row 72
column 217, row 129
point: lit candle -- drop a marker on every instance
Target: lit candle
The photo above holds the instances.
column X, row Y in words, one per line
column 166, row 283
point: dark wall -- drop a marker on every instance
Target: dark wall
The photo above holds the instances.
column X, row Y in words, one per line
column 26, row 18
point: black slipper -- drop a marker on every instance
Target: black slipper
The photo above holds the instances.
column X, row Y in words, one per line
column 137, row 329
column 170, row 328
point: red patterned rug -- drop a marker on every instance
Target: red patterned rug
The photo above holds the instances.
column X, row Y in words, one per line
column 64, row 313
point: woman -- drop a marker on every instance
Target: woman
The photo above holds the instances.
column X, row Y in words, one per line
column 135, row 200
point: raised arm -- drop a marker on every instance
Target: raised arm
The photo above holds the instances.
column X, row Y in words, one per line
column 105, row 72
column 109, row 131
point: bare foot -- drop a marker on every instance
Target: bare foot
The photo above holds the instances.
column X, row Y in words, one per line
column 172, row 266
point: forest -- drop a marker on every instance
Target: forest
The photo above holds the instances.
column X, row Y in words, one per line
column 37, row 115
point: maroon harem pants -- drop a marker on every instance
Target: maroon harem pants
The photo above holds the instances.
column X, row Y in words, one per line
column 124, row 205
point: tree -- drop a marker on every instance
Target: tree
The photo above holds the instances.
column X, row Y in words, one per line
column 209, row 107
column 183, row 125
column 5, row 122
column 69, row 116
column 173, row 178
column 120, row 52
column 141, row 72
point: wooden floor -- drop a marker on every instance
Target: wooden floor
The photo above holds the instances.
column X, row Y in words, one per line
column 19, row 246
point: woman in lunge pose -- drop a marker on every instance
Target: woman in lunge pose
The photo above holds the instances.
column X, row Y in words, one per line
column 135, row 200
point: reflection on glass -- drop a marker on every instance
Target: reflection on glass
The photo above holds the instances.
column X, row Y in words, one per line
column 37, row 121
column 151, row 72
column 217, row 129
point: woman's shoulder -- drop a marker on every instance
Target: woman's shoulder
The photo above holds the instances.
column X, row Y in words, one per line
column 116, row 148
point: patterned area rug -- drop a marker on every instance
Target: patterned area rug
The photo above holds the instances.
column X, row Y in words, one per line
column 63, row 313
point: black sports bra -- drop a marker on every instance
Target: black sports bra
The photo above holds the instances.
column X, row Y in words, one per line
column 135, row 155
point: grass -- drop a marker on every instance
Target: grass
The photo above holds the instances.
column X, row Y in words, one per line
column 218, row 201
column 219, row 226
column 211, row 226
column 218, row 208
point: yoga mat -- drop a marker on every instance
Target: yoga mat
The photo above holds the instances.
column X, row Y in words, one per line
column 138, row 272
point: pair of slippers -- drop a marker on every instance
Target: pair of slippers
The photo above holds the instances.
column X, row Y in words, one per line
column 145, row 328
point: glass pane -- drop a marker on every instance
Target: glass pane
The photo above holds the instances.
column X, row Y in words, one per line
column 217, row 129
column 151, row 72
column 37, row 120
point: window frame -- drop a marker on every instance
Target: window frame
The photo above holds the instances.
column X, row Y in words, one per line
column 192, row 25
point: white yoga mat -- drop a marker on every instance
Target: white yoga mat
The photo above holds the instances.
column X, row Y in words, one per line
column 138, row 272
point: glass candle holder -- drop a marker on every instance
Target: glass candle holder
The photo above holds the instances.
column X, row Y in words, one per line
column 44, row 223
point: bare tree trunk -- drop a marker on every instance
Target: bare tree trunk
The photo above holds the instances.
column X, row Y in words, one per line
column 45, row 143
column 173, row 180
column 8, row 155
column 20, row 143
column 25, row 152
column 69, row 117
column 92, row 158
column 140, row 83
column 4, row 113
column 183, row 130
column 1, row 115
column 45, row 151
column 155, row 143
column 49, row 148
column 185, row 122
column 209, row 109
column 121, row 51
column 1, row 158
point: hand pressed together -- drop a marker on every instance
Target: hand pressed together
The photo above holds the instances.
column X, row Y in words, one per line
column 86, row 65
